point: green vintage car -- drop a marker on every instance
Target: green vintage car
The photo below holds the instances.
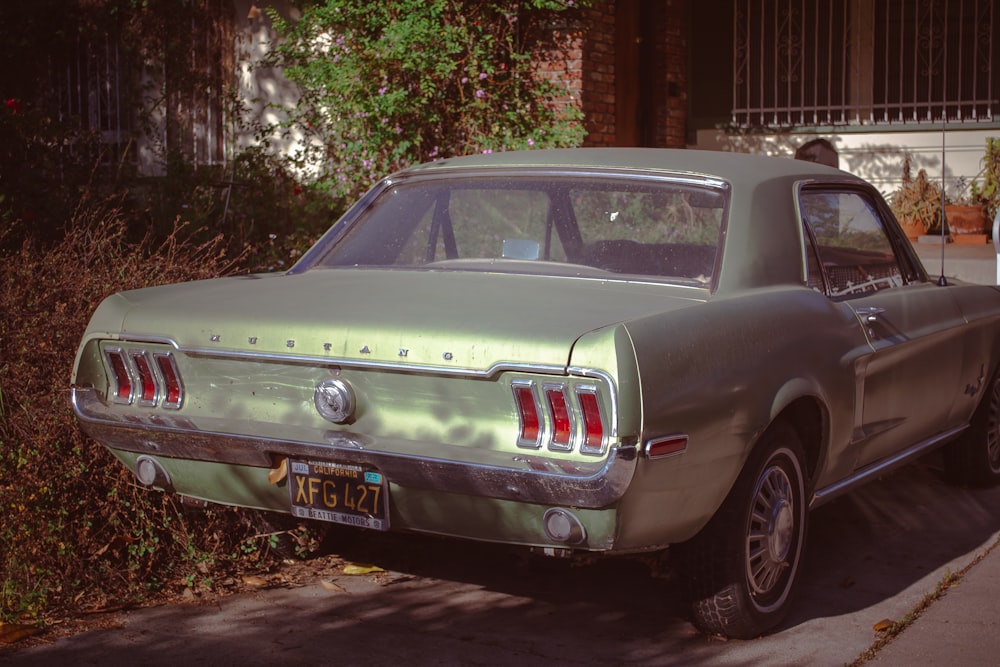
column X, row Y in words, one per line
column 577, row 351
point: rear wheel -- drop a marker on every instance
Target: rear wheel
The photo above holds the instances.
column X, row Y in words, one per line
column 974, row 458
column 741, row 569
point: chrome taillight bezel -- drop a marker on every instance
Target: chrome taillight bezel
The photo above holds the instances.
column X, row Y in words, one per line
column 121, row 381
column 143, row 377
column 526, row 400
column 173, row 387
column 566, row 411
column 559, row 408
column 146, row 391
column 588, row 399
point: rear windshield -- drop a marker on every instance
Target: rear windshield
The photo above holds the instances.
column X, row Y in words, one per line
column 559, row 225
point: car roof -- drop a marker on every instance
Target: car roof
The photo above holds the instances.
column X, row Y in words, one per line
column 741, row 168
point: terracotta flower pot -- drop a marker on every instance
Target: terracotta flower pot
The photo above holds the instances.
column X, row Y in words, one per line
column 967, row 223
column 913, row 230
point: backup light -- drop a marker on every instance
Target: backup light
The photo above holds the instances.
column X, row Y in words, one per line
column 563, row 526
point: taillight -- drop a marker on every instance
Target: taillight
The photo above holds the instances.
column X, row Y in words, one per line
column 565, row 415
column 527, row 412
column 121, row 379
column 562, row 423
column 173, row 391
column 146, row 378
column 147, row 389
column 593, row 424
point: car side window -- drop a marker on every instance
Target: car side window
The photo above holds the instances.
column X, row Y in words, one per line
column 848, row 249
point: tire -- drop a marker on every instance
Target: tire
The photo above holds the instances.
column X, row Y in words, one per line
column 741, row 570
column 974, row 459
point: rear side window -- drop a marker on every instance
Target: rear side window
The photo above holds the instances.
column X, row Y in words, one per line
column 848, row 249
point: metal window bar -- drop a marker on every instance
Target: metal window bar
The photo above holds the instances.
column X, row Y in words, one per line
column 798, row 62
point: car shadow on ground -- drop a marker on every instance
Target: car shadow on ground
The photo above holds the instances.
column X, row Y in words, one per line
column 862, row 548
column 876, row 542
column 448, row 602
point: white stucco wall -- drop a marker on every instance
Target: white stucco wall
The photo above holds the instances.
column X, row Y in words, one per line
column 877, row 155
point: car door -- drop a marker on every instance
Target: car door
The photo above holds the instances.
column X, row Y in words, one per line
column 908, row 384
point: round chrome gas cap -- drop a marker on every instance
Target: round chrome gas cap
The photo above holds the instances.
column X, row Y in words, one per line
column 334, row 400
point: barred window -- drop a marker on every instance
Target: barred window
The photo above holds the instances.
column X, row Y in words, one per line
column 838, row 62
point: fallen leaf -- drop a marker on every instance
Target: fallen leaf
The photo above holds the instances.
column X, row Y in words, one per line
column 254, row 580
column 359, row 568
column 12, row 632
column 277, row 475
column 332, row 587
column 883, row 625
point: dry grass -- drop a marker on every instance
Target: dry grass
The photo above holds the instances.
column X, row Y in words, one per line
column 76, row 532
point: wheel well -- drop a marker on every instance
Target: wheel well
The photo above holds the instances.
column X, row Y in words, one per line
column 808, row 418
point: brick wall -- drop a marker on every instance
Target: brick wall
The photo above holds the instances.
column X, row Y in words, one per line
column 597, row 96
column 674, row 46
column 579, row 57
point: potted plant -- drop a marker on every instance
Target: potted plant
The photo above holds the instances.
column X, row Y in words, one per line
column 916, row 203
column 970, row 215
column 965, row 214
column 989, row 191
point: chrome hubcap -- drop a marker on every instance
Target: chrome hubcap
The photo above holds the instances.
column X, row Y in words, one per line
column 772, row 531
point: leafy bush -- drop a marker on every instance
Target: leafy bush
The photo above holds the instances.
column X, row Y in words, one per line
column 77, row 531
column 389, row 84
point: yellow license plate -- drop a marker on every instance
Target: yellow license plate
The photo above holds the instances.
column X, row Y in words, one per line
column 338, row 492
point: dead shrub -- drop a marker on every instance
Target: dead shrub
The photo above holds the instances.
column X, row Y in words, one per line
column 77, row 532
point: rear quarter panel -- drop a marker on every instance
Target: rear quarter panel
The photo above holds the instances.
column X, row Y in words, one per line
column 720, row 373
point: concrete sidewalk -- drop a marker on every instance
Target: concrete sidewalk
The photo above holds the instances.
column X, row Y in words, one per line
column 960, row 628
column 971, row 263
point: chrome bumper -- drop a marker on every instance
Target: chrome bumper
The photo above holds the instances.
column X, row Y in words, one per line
column 525, row 477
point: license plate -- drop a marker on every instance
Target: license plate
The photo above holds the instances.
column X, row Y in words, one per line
column 338, row 492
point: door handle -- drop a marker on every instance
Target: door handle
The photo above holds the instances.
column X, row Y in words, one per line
column 870, row 313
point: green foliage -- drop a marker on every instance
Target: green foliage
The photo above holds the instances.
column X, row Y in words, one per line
column 989, row 191
column 385, row 85
column 917, row 201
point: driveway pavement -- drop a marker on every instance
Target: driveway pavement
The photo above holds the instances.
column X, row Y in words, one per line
column 872, row 556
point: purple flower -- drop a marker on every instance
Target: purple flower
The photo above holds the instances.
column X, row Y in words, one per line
column 480, row 93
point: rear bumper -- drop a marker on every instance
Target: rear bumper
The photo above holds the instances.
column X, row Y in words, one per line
column 524, row 477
